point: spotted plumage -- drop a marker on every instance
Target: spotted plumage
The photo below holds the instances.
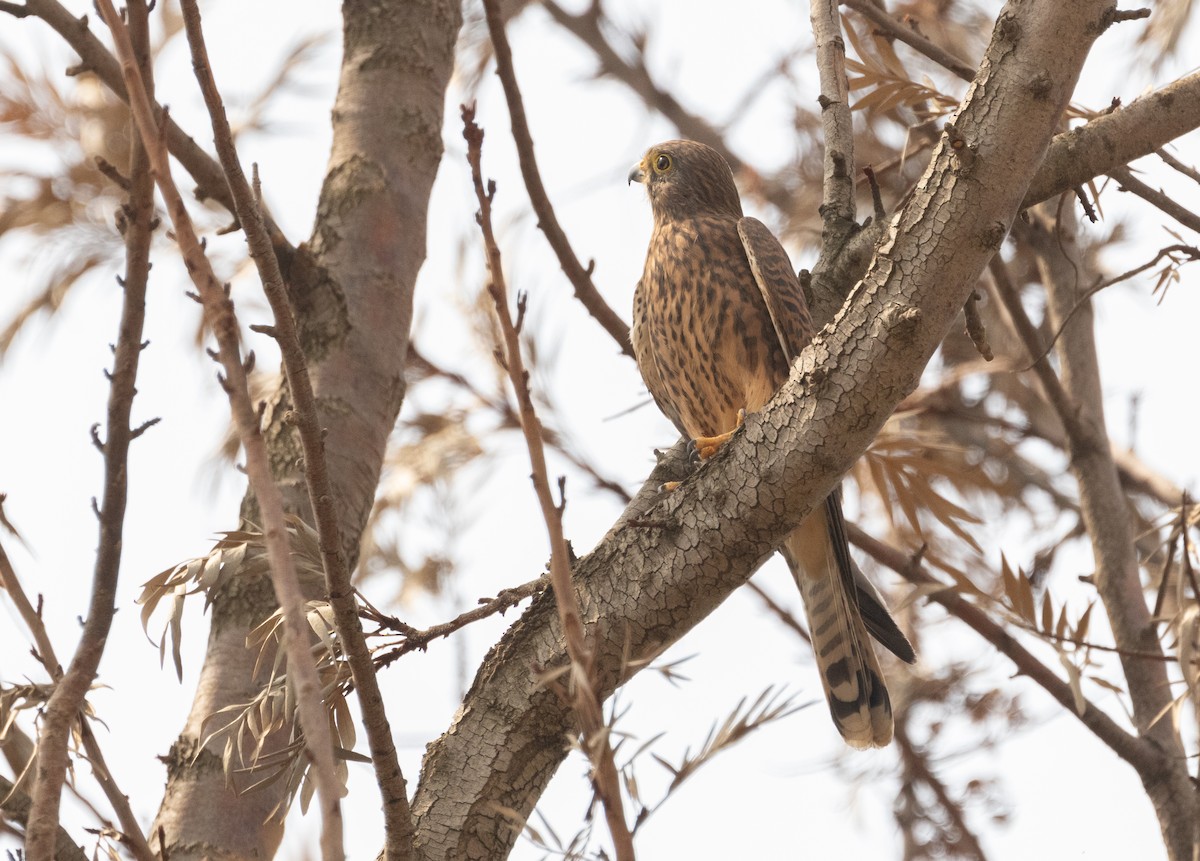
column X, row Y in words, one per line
column 717, row 318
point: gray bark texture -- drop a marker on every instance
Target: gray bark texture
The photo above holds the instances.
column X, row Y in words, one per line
column 671, row 560
column 352, row 287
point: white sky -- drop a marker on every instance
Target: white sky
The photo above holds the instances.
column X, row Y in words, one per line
column 773, row 796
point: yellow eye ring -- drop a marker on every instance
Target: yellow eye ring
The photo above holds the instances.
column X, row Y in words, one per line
column 662, row 163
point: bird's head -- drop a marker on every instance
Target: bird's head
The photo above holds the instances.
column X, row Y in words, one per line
column 686, row 178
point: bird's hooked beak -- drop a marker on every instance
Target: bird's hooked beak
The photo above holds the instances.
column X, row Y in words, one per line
column 637, row 174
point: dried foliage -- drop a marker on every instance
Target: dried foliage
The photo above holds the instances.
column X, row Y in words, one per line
column 238, row 553
column 977, row 444
column 264, row 742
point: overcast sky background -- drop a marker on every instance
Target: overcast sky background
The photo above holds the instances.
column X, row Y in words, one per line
column 775, row 795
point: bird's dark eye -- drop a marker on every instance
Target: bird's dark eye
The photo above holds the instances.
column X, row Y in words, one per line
column 662, row 163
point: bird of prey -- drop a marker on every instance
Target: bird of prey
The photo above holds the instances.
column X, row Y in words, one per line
column 718, row 316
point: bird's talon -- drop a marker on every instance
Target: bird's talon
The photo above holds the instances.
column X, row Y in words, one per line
column 668, row 486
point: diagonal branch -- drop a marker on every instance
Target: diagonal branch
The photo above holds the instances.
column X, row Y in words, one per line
column 579, row 276
column 672, row 561
column 910, row 37
column 397, row 816
column 581, row 690
column 1156, row 198
column 1141, row 756
column 218, row 309
column 1117, row 138
column 210, row 180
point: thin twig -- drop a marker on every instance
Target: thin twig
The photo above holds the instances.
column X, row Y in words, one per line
column 33, row 621
column 912, row 38
column 579, row 276
column 1170, row 160
column 1156, row 198
column 415, row 638
column 583, row 692
column 218, row 309
column 1137, row 752
column 1189, row 251
column 65, row 705
column 398, row 824
column 1010, row 298
column 94, row 56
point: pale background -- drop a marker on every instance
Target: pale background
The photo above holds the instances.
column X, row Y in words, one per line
column 775, row 796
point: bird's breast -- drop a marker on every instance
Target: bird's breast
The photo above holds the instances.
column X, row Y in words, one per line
column 702, row 334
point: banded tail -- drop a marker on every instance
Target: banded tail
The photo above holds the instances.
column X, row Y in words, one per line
column 840, row 608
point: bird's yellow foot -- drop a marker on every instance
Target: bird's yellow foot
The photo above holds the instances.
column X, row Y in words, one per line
column 704, row 447
column 668, row 486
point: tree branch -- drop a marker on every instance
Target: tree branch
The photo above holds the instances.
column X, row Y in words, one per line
column 64, row 707
column 581, row 690
column 660, row 571
column 1156, row 198
column 837, row 205
column 579, row 276
column 910, row 37
column 220, row 317
column 1106, row 516
column 1117, row 138
column 398, row 825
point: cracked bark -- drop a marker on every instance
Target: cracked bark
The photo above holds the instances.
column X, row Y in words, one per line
column 352, row 288
column 649, row 581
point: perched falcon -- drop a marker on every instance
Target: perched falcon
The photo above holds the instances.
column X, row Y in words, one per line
column 717, row 319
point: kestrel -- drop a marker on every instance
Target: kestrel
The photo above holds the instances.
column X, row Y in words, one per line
column 718, row 316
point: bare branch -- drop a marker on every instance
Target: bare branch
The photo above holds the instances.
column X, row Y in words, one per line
column 1153, row 196
column 583, row 695
column 837, row 204
column 1107, row 519
column 579, row 276
column 1189, row 172
column 398, row 825
column 218, row 310
column 912, row 38
column 71, row 688
column 1011, row 299
column 420, row 639
column 1117, row 138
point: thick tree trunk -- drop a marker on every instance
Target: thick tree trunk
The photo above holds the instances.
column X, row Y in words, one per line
column 352, row 288
column 650, row 580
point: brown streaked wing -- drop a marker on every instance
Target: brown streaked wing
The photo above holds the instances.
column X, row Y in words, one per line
column 779, row 286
